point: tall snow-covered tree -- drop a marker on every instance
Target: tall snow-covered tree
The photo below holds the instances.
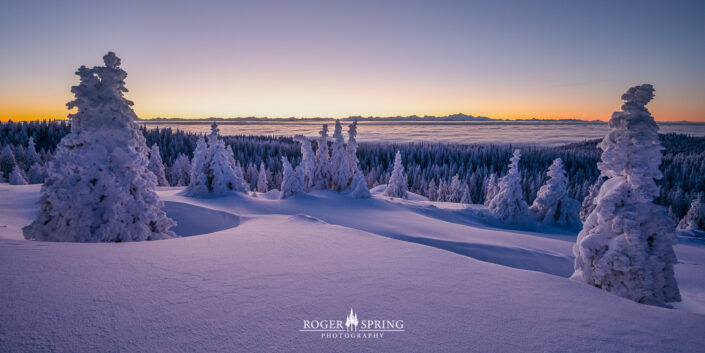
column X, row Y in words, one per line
column 198, row 181
column 180, row 171
column 552, row 204
column 466, row 198
column 341, row 174
column 291, row 181
column 36, row 173
column 398, row 185
column 456, row 189
column 156, row 165
column 32, row 156
column 508, row 204
column 98, row 187
column 322, row 173
column 589, row 200
column 358, row 187
column 491, row 188
column 262, row 183
column 626, row 244
column 351, row 148
column 16, row 177
column 308, row 162
column 7, row 161
column 695, row 218
column 432, row 191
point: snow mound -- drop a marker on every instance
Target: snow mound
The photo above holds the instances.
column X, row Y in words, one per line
column 306, row 218
column 380, row 189
column 195, row 220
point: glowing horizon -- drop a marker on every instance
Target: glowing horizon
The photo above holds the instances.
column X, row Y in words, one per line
column 319, row 59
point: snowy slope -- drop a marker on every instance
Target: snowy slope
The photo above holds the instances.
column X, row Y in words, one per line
column 458, row 282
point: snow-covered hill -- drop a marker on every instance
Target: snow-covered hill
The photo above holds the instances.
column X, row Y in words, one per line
column 249, row 270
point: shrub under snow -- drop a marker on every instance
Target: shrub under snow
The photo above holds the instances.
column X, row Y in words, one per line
column 626, row 245
column 98, row 186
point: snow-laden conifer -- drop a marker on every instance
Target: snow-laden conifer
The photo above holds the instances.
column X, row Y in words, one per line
column 341, row 174
column 98, row 186
column 291, row 181
column 432, row 191
column 491, row 188
column 695, row 218
column 508, row 204
column 466, row 198
column 308, row 162
column 36, row 173
column 626, row 244
column 32, row 156
column 398, row 185
column 552, row 204
column 358, row 187
column 180, row 171
column 198, row 180
column 455, row 193
column 16, row 177
column 589, row 200
column 156, row 165
column 322, row 173
column 7, row 161
column 262, row 180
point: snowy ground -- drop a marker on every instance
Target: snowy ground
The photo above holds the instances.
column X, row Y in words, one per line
column 249, row 271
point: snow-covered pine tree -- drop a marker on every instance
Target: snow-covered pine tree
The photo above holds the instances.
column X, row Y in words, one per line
column 456, row 189
column 552, row 204
column 16, row 177
column 341, row 175
column 291, row 181
column 466, row 198
column 491, row 188
column 262, row 184
column 220, row 174
column 398, row 185
column 432, row 192
column 358, row 187
column 308, row 162
column 239, row 175
column 36, row 173
column 351, row 148
column 508, row 204
column 180, row 171
column 695, row 218
column 626, row 245
column 32, row 156
column 198, row 180
column 442, row 191
column 7, row 161
column 98, row 187
column 589, row 200
column 156, row 165
column 322, row 173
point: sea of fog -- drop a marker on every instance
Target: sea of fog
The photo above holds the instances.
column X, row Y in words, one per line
column 545, row 133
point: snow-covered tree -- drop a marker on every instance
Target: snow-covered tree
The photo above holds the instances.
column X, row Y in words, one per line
column 466, row 198
column 442, row 191
column 308, row 162
column 156, row 165
column 456, row 189
column 398, row 185
column 552, row 204
column 240, row 175
column 351, row 148
column 322, row 173
column 98, row 186
column 339, row 162
column 491, row 188
column 695, row 218
column 36, row 173
column 358, row 187
column 32, row 156
column 7, row 161
column 180, row 171
column 626, row 245
column 589, row 200
column 508, row 204
column 291, row 182
column 16, row 177
column 198, row 181
column 432, row 191
column 262, row 183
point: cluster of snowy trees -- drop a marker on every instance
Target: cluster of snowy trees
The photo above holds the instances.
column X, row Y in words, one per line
column 98, row 187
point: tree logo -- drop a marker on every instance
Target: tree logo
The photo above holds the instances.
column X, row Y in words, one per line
column 353, row 327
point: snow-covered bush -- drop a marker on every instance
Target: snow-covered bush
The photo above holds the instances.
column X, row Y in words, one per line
column 695, row 218
column 322, row 173
column 291, row 182
column 626, row 244
column 398, row 185
column 552, row 204
column 156, row 165
column 508, row 203
column 98, row 186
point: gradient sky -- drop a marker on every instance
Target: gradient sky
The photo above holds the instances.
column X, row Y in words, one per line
column 503, row 59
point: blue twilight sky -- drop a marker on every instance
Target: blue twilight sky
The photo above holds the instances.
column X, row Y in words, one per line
column 503, row 59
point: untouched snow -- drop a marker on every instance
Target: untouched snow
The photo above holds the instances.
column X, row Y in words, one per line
column 263, row 266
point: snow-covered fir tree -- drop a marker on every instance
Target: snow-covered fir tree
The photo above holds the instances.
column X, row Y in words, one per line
column 322, row 173
column 180, row 171
column 308, row 162
column 508, row 204
column 7, row 161
column 442, row 191
column 589, row 200
column 98, row 186
column 262, row 180
column 16, row 177
column 695, row 218
column 358, row 187
column 36, row 173
column 456, row 189
column 466, row 198
column 341, row 174
column 240, row 175
column 491, row 188
column 432, row 191
column 398, row 185
column 198, row 180
column 156, row 165
column 626, row 244
column 552, row 204
column 291, row 182
column 32, row 157
column 351, row 148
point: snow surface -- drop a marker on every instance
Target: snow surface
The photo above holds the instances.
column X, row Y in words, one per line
column 261, row 266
